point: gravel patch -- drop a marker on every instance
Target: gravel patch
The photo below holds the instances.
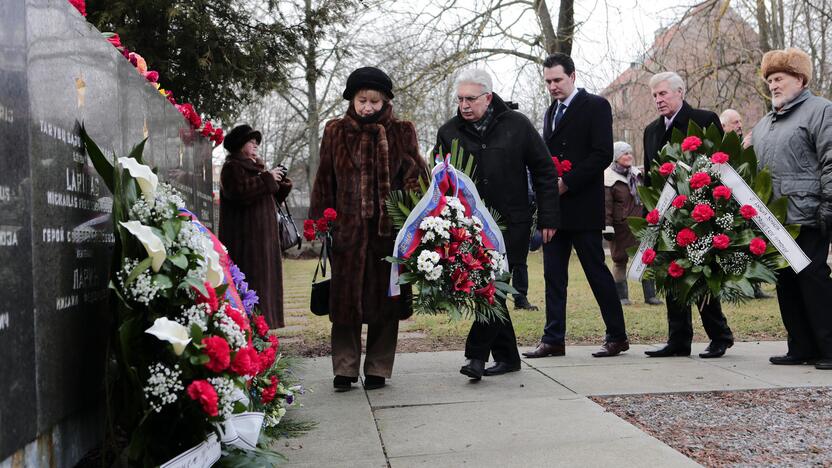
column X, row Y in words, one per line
column 773, row 427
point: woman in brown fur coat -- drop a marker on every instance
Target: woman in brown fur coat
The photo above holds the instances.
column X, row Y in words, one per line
column 364, row 155
column 248, row 224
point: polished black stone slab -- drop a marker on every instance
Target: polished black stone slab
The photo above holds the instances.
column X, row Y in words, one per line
column 18, row 405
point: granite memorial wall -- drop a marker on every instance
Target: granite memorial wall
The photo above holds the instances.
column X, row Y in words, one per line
column 57, row 72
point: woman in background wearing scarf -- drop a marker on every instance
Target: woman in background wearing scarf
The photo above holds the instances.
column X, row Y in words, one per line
column 621, row 181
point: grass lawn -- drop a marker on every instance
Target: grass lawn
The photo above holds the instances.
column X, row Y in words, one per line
column 308, row 335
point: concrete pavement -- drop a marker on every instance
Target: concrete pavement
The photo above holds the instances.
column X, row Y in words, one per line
column 430, row 415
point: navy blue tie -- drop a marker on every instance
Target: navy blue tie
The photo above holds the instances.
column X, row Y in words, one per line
column 558, row 115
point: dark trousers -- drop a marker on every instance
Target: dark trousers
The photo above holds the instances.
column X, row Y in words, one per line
column 680, row 328
column 520, row 280
column 382, row 336
column 806, row 299
column 587, row 244
column 495, row 338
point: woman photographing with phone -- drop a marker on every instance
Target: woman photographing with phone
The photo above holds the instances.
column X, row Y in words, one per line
column 248, row 226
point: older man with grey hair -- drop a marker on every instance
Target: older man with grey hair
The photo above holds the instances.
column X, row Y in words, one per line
column 504, row 145
column 794, row 140
column 668, row 90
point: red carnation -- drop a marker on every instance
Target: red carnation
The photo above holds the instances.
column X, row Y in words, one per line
column 691, row 143
column 81, row 6
column 719, row 158
column 322, row 225
column 237, row 317
column 275, row 342
column 309, row 234
column 266, row 359
column 748, row 211
column 262, row 326
column 218, row 352
column 211, row 299
column 685, row 237
column 666, row 169
column 308, row 224
column 675, row 270
column 652, row 217
column 152, row 76
column 487, row 292
column 207, row 130
column 721, row 241
column 461, row 281
column 270, row 391
column 648, row 256
column 722, row 192
column 757, row 246
column 565, row 166
column 330, row 214
column 699, row 180
column 702, row 213
column 219, row 136
column 203, row 392
column 679, row 201
column 114, row 39
column 246, row 361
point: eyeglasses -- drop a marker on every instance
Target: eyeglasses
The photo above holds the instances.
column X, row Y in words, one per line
column 469, row 99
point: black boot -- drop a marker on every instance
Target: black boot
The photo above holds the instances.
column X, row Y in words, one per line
column 649, row 288
column 623, row 292
column 522, row 303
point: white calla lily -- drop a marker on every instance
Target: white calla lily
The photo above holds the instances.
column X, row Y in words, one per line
column 172, row 332
column 148, row 181
column 214, row 275
column 151, row 242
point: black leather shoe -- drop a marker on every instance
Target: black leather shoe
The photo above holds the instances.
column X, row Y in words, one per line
column 715, row 349
column 502, row 368
column 669, row 351
column 822, row 364
column 473, row 368
column 372, row 382
column 343, row 383
column 788, row 360
column 524, row 304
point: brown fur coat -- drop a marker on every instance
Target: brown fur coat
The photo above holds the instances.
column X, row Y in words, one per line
column 360, row 165
column 248, row 229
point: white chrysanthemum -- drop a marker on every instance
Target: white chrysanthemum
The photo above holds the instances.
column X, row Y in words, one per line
column 428, row 237
column 427, row 260
column 163, row 386
column 434, row 274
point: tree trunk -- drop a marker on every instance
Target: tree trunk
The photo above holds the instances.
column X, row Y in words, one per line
column 313, row 119
column 762, row 25
column 550, row 38
column 566, row 26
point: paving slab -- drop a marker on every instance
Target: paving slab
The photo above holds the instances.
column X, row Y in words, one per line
column 441, row 388
column 344, row 419
column 653, row 375
column 531, row 432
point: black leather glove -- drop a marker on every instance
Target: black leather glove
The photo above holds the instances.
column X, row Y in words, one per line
column 825, row 217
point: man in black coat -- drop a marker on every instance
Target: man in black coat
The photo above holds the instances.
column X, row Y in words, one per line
column 504, row 145
column 668, row 91
column 578, row 129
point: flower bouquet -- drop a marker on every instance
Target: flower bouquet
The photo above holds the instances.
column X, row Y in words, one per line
column 698, row 240
column 450, row 248
column 187, row 368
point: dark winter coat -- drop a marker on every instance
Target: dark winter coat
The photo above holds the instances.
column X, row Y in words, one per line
column 360, row 165
column 509, row 146
column 583, row 137
column 620, row 204
column 248, row 229
column 656, row 135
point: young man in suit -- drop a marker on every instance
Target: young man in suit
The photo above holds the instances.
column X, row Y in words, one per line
column 504, row 145
column 578, row 129
column 668, row 91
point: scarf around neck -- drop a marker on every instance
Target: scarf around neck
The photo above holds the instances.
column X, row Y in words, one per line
column 632, row 179
column 374, row 162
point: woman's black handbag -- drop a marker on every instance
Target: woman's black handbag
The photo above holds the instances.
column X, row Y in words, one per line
column 289, row 234
column 319, row 302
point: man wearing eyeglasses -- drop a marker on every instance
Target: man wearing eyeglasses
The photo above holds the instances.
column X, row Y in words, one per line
column 578, row 129
column 504, row 145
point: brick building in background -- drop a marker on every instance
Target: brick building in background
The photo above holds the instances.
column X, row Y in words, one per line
column 714, row 50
